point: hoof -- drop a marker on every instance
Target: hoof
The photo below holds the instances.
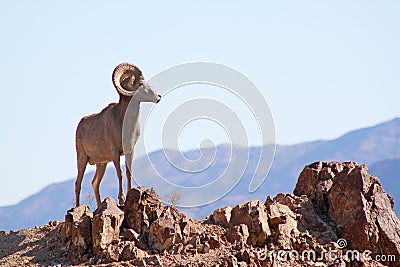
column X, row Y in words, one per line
column 121, row 200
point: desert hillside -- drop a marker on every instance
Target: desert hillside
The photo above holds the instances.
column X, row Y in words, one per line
column 338, row 215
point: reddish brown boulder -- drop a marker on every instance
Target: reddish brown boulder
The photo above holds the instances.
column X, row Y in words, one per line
column 316, row 180
column 307, row 218
column 107, row 221
column 214, row 241
column 187, row 226
column 142, row 208
column 356, row 202
column 76, row 232
column 131, row 252
column 238, row 233
column 221, row 216
column 253, row 215
column 130, row 235
column 165, row 231
column 283, row 224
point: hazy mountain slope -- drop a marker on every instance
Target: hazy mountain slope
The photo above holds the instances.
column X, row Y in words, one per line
column 389, row 172
column 370, row 145
column 57, row 198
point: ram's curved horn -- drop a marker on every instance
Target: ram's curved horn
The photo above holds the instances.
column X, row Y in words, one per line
column 122, row 72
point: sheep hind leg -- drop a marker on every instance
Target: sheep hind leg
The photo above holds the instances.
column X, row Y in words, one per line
column 98, row 176
column 128, row 166
column 81, row 162
column 121, row 195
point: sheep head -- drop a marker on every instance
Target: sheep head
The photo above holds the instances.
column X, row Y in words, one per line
column 128, row 80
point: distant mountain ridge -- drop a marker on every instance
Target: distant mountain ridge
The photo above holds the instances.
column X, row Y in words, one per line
column 389, row 172
column 377, row 146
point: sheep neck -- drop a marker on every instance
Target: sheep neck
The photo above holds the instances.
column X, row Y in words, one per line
column 133, row 116
column 124, row 102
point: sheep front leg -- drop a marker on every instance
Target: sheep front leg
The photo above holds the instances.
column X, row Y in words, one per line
column 121, row 195
column 128, row 166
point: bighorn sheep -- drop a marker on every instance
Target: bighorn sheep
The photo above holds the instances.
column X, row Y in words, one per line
column 99, row 136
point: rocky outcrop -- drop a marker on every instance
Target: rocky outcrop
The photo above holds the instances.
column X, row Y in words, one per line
column 221, row 216
column 307, row 218
column 106, row 224
column 165, row 232
column 142, row 208
column 353, row 201
column 238, row 233
column 333, row 204
column 253, row 215
column 283, row 222
column 76, row 233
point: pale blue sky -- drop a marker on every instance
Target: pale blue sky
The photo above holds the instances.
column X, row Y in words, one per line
column 325, row 67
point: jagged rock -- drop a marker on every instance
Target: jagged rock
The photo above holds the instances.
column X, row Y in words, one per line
column 139, row 263
column 131, row 252
column 130, row 235
column 356, row 202
column 153, row 260
column 188, row 248
column 3, row 233
column 76, row 232
column 107, row 221
column 315, row 181
column 165, row 231
column 142, row 208
column 111, row 253
column 195, row 241
column 206, row 248
column 188, row 228
column 278, row 214
column 238, row 233
column 307, row 218
column 283, row 223
column 178, row 248
column 244, row 255
column 221, row 216
column 214, row 241
column 252, row 214
column 231, row 261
